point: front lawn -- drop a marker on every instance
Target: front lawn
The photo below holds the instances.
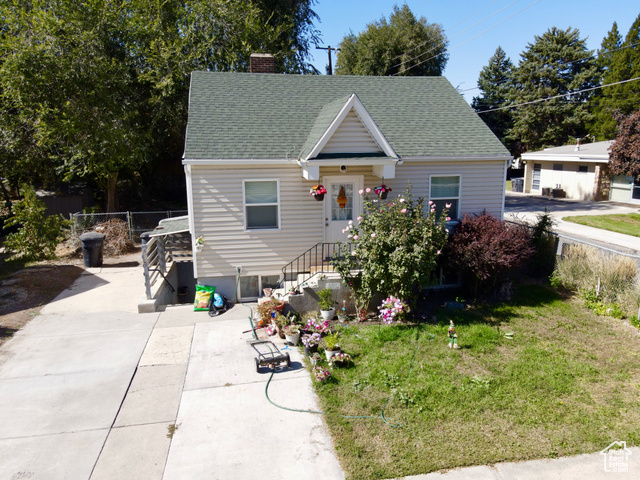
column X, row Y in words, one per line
column 566, row 383
column 628, row 224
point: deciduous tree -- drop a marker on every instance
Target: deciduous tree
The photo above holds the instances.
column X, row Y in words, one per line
column 625, row 152
column 403, row 45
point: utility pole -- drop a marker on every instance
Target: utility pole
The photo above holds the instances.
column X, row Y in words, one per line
column 328, row 49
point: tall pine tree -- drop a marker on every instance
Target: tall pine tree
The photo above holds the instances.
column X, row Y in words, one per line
column 494, row 83
column 557, row 63
column 620, row 61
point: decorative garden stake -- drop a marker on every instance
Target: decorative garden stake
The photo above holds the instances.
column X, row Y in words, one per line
column 453, row 336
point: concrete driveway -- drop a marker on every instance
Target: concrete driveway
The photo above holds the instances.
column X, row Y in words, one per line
column 519, row 206
column 90, row 389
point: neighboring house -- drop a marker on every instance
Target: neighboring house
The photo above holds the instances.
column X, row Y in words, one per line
column 256, row 143
column 579, row 172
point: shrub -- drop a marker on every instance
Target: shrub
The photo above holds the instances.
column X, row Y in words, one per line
column 487, row 250
column 38, row 234
column 543, row 241
column 326, row 301
column 395, row 246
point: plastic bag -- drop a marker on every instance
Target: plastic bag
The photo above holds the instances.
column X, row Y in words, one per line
column 203, row 296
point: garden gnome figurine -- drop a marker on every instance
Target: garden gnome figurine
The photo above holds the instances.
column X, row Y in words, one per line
column 453, row 336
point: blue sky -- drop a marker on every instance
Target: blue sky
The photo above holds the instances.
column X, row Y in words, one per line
column 593, row 18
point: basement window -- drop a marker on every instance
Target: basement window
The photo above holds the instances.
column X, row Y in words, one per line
column 583, row 168
column 261, row 204
column 251, row 286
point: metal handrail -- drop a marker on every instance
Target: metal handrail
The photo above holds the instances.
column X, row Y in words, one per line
column 317, row 258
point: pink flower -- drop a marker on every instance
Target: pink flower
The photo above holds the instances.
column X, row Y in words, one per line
column 404, row 210
column 359, row 219
column 368, row 190
column 360, row 192
column 344, row 231
column 356, row 237
column 430, row 202
column 373, row 235
column 350, row 222
column 438, row 252
column 448, row 219
column 402, row 200
column 448, row 205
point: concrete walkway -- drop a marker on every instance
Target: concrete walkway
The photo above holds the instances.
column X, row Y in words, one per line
column 91, row 390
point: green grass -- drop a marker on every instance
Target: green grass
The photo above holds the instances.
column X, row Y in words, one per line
column 628, row 224
column 567, row 383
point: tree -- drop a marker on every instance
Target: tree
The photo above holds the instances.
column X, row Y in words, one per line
column 494, row 83
column 99, row 89
column 619, row 61
column 557, row 63
column 624, row 156
column 404, row 45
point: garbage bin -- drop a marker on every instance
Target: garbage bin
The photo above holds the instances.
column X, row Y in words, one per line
column 92, row 249
column 517, row 184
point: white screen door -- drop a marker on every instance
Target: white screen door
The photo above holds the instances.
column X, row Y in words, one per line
column 341, row 204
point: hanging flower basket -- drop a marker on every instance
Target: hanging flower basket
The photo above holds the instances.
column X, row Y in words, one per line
column 318, row 191
column 382, row 191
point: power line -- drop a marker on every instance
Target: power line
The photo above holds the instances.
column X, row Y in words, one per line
column 568, row 94
column 473, row 38
column 444, row 43
column 608, row 52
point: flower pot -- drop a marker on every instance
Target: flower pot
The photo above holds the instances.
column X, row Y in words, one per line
column 319, row 197
column 309, row 350
column 328, row 314
column 362, row 314
column 383, row 195
column 331, row 353
column 293, row 339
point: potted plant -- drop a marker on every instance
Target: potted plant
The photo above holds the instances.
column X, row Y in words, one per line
column 326, row 303
column 341, row 359
column 382, row 191
column 292, row 334
column 315, row 324
column 317, row 192
column 311, row 343
column 321, row 374
column 315, row 359
column 331, row 346
column 268, row 310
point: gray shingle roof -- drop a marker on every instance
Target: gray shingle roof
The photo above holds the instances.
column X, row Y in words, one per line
column 260, row 116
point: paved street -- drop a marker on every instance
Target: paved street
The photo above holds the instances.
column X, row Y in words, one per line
column 526, row 207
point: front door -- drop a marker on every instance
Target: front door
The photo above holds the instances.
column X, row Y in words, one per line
column 341, row 204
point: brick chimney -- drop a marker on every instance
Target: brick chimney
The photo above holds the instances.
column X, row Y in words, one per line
column 262, row 63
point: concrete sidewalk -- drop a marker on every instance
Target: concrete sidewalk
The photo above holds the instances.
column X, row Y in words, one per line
column 90, row 390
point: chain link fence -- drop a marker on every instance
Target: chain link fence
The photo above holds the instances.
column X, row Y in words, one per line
column 137, row 222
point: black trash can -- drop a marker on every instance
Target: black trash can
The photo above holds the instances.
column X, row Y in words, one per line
column 92, row 249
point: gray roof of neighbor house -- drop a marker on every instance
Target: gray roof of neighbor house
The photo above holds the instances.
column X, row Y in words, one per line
column 585, row 150
column 272, row 116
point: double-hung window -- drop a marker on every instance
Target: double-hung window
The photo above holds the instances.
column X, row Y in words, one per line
column 446, row 191
column 261, row 204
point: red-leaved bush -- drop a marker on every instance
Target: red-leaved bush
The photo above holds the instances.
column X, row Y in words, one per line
column 486, row 250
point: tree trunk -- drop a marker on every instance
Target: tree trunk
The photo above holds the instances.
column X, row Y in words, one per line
column 111, row 192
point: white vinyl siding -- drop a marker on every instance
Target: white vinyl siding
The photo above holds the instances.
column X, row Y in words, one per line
column 218, row 209
column 351, row 137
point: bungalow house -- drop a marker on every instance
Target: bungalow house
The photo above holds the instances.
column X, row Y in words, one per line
column 256, row 143
column 578, row 172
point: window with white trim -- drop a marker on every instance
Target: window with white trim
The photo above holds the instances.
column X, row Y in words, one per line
column 261, row 204
column 445, row 191
column 251, row 287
